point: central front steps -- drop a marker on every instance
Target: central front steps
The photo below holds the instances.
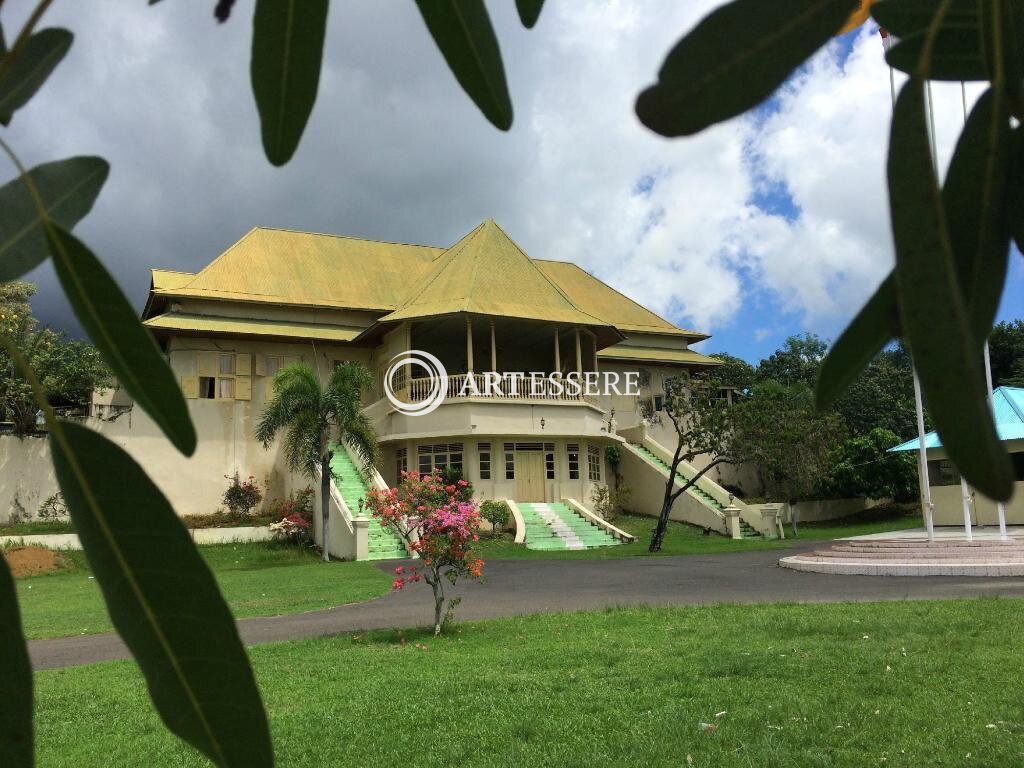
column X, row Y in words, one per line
column 554, row 525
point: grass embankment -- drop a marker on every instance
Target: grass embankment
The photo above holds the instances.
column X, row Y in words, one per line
column 868, row 684
column 260, row 579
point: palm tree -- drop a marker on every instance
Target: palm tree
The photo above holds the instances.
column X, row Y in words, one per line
column 310, row 415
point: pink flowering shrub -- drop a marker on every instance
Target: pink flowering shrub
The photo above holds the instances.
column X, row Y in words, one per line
column 295, row 518
column 438, row 522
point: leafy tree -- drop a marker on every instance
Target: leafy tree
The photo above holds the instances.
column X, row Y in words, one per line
column 68, row 370
column 312, row 416
column 797, row 362
column 703, row 424
column 1006, row 353
column 734, row 371
column 792, row 445
column 881, row 396
column 866, row 468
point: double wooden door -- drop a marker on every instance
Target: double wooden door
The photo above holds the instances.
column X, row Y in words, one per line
column 530, row 480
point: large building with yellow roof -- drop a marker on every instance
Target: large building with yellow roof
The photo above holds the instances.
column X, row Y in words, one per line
column 481, row 307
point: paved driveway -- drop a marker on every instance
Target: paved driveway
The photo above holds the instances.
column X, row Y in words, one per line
column 516, row 587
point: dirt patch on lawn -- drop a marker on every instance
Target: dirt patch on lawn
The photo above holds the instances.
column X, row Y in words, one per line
column 34, row 561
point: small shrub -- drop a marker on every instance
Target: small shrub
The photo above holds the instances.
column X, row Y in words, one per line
column 242, row 497
column 54, row 509
column 608, row 503
column 454, row 476
column 293, row 518
column 497, row 514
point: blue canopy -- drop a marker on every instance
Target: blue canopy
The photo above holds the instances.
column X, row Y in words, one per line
column 1007, row 409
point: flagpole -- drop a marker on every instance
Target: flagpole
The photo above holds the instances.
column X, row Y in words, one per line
column 927, row 509
column 1000, row 506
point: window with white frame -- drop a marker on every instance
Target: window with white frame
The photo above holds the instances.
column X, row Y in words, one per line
column 572, row 451
column 510, row 464
column 593, row 462
column 439, row 456
column 484, row 459
column 549, row 461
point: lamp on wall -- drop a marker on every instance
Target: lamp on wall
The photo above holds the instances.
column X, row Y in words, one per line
column 542, row 422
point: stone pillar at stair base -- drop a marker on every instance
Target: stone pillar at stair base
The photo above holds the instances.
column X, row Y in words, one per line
column 732, row 522
column 771, row 515
column 361, row 526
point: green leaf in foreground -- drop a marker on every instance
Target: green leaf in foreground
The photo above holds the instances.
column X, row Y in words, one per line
column 974, row 199
column 163, row 600
column 462, row 31
column 287, row 48
column 1015, row 196
column 68, row 189
column 15, row 680
column 43, row 51
column 866, row 335
column 946, row 353
column 734, row 59
column 957, row 48
column 529, row 11
column 125, row 344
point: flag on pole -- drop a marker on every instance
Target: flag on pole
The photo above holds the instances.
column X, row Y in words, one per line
column 857, row 18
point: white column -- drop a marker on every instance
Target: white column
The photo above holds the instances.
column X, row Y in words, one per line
column 469, row 344
column 494, row 351
column 579, row 354
column 1000, row 506
column 558, row 355
column 594, row 340
column 965, row 495
column 922, row 463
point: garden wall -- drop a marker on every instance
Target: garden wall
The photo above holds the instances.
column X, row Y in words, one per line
column 828, row 509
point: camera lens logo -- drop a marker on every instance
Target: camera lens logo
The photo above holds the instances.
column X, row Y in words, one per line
column 436, row 375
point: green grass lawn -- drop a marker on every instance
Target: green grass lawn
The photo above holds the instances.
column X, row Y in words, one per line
column 259, row 579
column 682, row 539
column 869, row 684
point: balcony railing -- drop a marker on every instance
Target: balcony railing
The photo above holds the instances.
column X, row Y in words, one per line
column 417, row 390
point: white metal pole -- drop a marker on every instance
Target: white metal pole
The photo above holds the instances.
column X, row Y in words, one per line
column 922, row 463
column 927, row 509
column 1000, row 506
column 965, row 496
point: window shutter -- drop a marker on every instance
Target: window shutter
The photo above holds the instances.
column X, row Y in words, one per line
column 243, row 364
column 243, row 388
column 261, row 365
column 207, row 363
column 190, row 386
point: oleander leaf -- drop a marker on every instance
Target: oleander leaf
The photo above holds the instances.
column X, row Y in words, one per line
column 1015, row 195
column 68, row 189
column 939, row 40
column 875, row 325
column 126, row 346
column 15, row 680
column 734, row 59
column 287, row 49
column 42, row 53
column 934, row 316
column 529, row 11
column 463, row 33
column 163, row 600
column 974, row 200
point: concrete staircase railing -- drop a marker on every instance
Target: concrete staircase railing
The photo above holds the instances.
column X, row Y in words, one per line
column 600, row 522
column 748, row 514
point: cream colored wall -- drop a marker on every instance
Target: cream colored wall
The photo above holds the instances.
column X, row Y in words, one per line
column 949, row 506
column 27, row 478
column 497, row 487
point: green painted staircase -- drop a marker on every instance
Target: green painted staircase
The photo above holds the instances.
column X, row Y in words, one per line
column 383, row 545
column 705, row 498
column 554, row 525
